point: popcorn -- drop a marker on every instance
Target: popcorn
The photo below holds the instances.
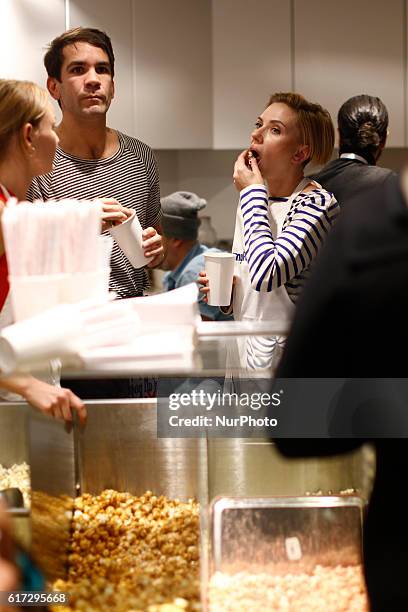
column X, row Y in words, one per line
column 132, row 553
column 18, row 475
column 334, row 589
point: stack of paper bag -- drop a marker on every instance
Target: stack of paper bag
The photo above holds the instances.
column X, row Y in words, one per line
column 166, row 339
column 152, row 332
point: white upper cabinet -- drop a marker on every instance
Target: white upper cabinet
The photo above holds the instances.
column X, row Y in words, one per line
column 162, row 67
column 115, row 18
column 251, row 60
column 195, row 74
column 172, row 63
column 346, row 48
column 28, row 26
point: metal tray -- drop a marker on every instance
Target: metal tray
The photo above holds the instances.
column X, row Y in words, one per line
column 268, row 531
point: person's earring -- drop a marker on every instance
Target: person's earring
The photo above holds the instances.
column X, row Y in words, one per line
column 32, row 150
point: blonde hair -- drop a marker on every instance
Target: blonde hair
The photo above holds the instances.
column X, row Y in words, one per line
column 315, row 125
column 21, row 102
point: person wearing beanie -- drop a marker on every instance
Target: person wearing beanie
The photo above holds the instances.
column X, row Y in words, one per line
column 184, row 254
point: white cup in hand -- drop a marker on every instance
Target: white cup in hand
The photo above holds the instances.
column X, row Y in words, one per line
column 128, row 235
column 220, row 272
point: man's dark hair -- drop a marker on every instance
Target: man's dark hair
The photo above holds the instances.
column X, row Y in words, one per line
column 363, row 123
column 54, row 57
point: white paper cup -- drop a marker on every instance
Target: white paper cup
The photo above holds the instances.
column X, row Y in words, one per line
column 220, row 271
column 128, row 235
column 31, row 295
column 84, row 286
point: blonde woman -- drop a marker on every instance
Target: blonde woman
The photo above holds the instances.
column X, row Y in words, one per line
column 283, row 217
column 27, row 148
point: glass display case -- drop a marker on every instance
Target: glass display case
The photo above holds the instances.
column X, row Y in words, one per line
column 301, row 554
column 113, row 510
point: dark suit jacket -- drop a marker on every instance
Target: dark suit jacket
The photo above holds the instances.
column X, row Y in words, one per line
column 352, row 321
column 354, row 308
column 350, row 178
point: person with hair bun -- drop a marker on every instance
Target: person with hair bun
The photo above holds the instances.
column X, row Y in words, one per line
column 363, row 128
column 27, row 148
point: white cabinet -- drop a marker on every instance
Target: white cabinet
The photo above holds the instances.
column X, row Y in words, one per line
column 351, row 47
column 172, row 63
column 162, row 68
column 27, row 28
column 251, row 60
column 115, row 18
column 194, row 74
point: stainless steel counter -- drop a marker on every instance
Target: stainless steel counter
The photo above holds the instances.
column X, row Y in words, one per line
column 118, row 448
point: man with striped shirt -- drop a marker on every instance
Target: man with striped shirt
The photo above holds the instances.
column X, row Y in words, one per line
column 95, row 161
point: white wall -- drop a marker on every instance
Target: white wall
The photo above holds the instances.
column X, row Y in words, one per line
column 207, row 173
column 27, row 28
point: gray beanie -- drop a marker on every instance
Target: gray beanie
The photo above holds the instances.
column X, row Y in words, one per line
column 180, row 218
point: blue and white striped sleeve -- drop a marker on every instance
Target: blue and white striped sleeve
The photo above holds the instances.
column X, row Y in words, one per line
column 272, row 263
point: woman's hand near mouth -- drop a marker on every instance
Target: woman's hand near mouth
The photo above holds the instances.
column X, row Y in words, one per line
column 246, row 171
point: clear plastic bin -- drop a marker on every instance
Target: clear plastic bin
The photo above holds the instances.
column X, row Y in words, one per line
column 297, row 554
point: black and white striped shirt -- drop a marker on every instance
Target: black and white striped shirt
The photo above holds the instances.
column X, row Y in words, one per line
column 286, row 259
column 130, row 176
